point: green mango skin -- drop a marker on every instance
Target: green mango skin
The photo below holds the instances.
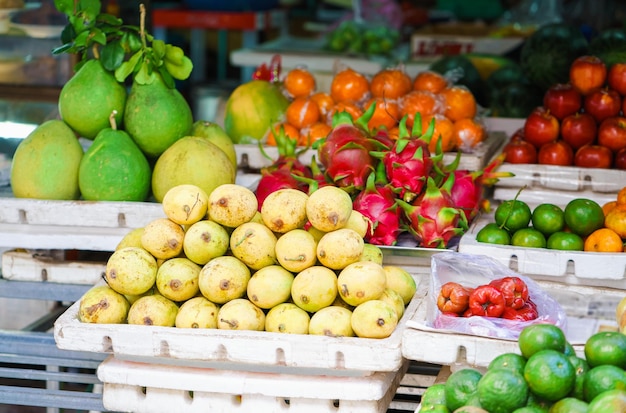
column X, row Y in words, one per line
column 156, row 116
column 217, row 136
column 45, row 164
column 114, row 169
column 89, row 97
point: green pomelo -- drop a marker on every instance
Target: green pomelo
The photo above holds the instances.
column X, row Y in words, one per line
column 114, row 169
column 156, row 116
column 191, row 160
column 217, row 136
column 45, row 164
column 89, row 97
column 252, row 109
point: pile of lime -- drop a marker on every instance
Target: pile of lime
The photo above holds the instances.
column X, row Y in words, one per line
column 545, row 226
column 546, row 376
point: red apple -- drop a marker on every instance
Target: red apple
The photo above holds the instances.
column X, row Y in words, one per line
column 617, row 78
column 620, row 159
column 593, row 156
column 541, row 127
column 519, row 151
column 587, row 73
column 579, row 129
column 562, row 100
column 556, row 153
column 603, row 103
column 612, row 133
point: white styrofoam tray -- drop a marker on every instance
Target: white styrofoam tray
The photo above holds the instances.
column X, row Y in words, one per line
column 564, row 178
column 36, row 266
column 588, row 310
column 572, row 267
column 249, row 155
column 152, row 388
column 249, row 350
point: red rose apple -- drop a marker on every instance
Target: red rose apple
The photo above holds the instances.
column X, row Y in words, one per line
column 519, row 150
column 603, row 103
column 587, row 73
column 562, row 100
column 541, row 127
column 593, row 156
column 556, row 153
column 579, row 129
column 612, row 133
column 617, row 78
column 620, row 159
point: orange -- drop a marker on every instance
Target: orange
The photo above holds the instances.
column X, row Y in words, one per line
column 352, row 108
column 608, row 207
column 393, row 133
column 609, row 401
column 603, row 378
column 459, row 103
column 349, row 85
column 299, row 82
column 385, row 114
column 444, row 131
column 289, row 130
column 548, row 218
column 502, row 390
column 310, row 134
column 426, row 103
column 569, row 405
column 583, row 216
column 468, row 132
column 513, row 361
column 460, row 386
column 603, row 240
column 621, row 196
column 390, row 84
column 513, row 215
column 616, row 220
column 434, row 395
column 606, row 347
column 538, row 337
column 302, row 111
column 324, row 101
column 430, row 81
column 550, row 374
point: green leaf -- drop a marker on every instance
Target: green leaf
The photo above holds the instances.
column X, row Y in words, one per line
column 167, row 78
column 144, row 76
column 68, row 34
column 159, row 48
column 134, row 42
column 128, row 67
column 112, row 55
column 78, row 24
column 82, row 39
column 90, row 9
column 98, row 36
column 64, row 6
column 109, row 19
column 62, row 49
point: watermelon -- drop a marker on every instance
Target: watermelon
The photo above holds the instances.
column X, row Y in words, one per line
column 251, row 109
column 610, row 46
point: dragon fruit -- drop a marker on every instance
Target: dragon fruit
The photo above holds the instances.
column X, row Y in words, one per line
column 433, row 219
column 409, row 163
column 345, row 152
column 378, row 203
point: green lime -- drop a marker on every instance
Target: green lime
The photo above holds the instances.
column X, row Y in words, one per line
column 606, row 347
column 435, row 408
column 513, row 215
column 540, row 403
column 581, row 367
column 493, row 234
column 602, row 378
column 548, row 218
column 511, row 361
column 613, row 401
column 569, row 349
column 435, row 394
column 502, row 390
column 569, row 405
column 530, row 409
column 583, row 216
column 549, row 374
column 470, row 409
column 460, row 386
column 528, row 237
column 565, row 241
column 538, row 337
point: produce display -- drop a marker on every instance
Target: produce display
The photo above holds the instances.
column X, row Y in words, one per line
column 545, row 375
column 299, row 265
column 582, row 225
column 581, row 123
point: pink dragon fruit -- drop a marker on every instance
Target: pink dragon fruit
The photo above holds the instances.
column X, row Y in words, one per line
column 345, row 152
column 378, row 203
column 409, row 163
column 433, row 219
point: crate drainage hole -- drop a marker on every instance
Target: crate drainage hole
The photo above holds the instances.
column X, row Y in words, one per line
column 121, row 220
column 22, row 217
column 165, row 349
column 107, row 344
column 280, row 357
column 340, row 360
column 44, row 274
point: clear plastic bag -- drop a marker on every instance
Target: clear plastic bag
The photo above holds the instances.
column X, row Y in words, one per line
column 471, row 271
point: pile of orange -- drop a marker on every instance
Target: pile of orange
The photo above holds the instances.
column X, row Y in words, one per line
column 612, row 237
column 395, row 94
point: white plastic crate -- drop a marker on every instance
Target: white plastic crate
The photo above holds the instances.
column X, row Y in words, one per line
column 571, row 267
column 588, row 309
column 536, row 196
column 152, row 388
column 247, row 350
